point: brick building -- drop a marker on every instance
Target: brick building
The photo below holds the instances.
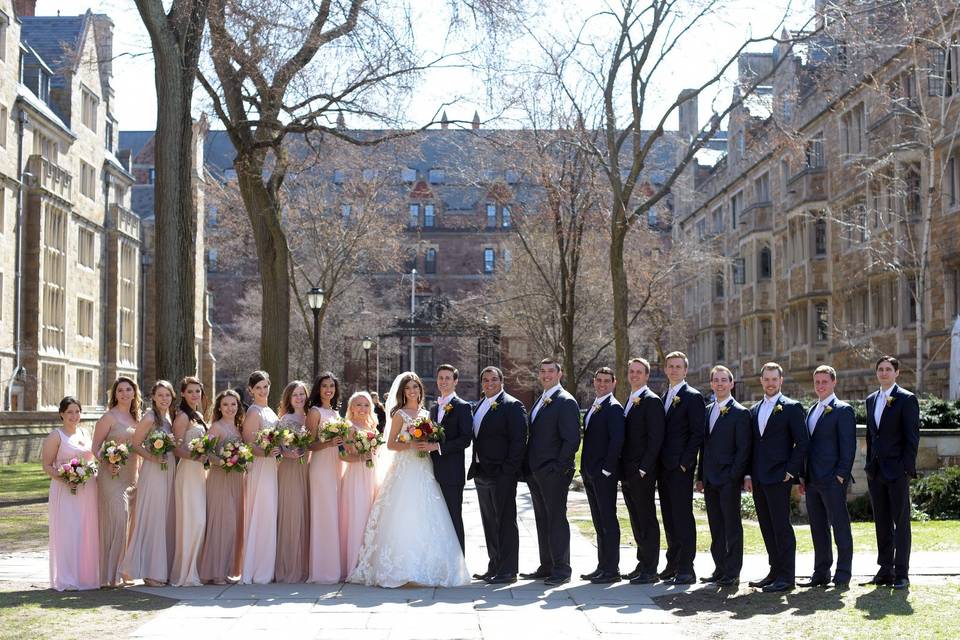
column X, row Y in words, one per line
column 818, row 202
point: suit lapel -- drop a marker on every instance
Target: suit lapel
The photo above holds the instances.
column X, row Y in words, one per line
column 498, row 400
column 544, row 407
column 674, row 402
column 603, row 405
column 893, row 397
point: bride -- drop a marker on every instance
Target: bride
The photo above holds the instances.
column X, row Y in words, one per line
column 409, row 537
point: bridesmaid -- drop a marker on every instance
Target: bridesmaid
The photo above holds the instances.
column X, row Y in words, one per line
column 326, row 469
column 190, row 488
column 260, row 502
column 74, row 545
column 293, row 509
column 117, row 489
column 359, row 486
column 223, row 541
column 149, row 552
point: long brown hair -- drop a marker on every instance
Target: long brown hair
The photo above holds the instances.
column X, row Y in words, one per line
column 171, row 410
column 314, row 399
column 286, row 399
column 193, row 414
column 401, row 398
column 218, row 412
column 136, row 405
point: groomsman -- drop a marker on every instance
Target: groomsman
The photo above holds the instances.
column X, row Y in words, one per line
column 548, row 470
column 456, row 418
column 643, row 435
column 685, row 418
column 600, row 469
column 780, row 442
column 500, row 434
column 723, row 464
column 893, row 437
column 832, row 425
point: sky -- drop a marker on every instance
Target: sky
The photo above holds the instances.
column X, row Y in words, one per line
column 696, row 60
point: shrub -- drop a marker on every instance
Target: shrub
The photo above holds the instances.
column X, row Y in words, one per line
column 860, row 508
column 938, row 493
column 748, row 509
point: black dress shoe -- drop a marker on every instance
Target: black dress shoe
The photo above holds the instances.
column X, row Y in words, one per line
column 605, row 578
column 901, row 583
column 483, row 576
column 714, row 577
column 645, row 578
column 778, row 586
column 841, row 584
column 879, row 580
column 667, row 573
column 633, row 574
column 506, row 578
column 590, row 576
column 761, row 583
column 683, row 578
column 728, row 581
column 556, row 581
column 539, row 574
column 814, row 581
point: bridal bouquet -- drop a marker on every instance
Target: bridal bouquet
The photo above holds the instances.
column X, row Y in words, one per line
column 366, row 443
column 421, row 430
column 116, row 453
column 199, row 447
column 77, row 473
column 235, row 456
column 160, row 443
column 267, row 439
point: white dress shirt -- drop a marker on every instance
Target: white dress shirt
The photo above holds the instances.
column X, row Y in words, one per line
column 441, row 403
column 715, row 413
column 881, row 404
column 546, row 394
column 596, row 403
column 482, row 411
column 766, row 410
column 671, row 394
column 633, row 396
column 818, row 411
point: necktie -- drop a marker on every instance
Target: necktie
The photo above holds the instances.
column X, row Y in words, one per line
column 714, row 415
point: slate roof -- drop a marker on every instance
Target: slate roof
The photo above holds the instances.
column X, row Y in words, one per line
column 134, row 140
column 55, row 39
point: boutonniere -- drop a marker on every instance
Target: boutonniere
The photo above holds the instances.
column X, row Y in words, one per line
column 636, row 401
column 890, row 401
column 596, row 406
column 675, row 401
column 724, row 410
column 494, row 405
column 447, row 408
column 777, row 408
column 827, row 409
column 547, row 401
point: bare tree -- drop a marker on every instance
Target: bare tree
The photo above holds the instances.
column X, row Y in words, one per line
column 176, row 37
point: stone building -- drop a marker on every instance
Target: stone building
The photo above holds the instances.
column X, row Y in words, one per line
column 820, row 207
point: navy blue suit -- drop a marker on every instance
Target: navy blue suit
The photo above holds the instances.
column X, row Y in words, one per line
column 602, row 444
column 548, row 470
column 833, row 446
column 891, row 462
column 723, row 463
column 448, row 461
column 683, row 435
column 780, row 450
column 643, row 437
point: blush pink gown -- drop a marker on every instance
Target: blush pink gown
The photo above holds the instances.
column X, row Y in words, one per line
column 74, row 523
column 326, row 471
column 357, row 493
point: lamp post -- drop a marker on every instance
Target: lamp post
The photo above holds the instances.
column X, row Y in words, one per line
column 315, row 299
column 367, row 342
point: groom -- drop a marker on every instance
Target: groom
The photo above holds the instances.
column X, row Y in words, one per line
column 455, row 416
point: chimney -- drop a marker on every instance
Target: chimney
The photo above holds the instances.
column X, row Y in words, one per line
column 25, row 8
column 444, row 121
column 689, row 119
column 341, row 122
column 476, row 121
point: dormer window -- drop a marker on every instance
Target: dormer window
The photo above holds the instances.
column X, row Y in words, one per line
column 436, row 176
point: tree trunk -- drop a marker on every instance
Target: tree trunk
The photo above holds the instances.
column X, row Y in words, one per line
column 618, row 280
column 263, row 210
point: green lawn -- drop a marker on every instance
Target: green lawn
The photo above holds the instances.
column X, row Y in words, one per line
column 23, row 481
column 23, row 527
column 925, row 611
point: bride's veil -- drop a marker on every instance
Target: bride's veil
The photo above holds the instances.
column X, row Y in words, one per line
column 385, row 456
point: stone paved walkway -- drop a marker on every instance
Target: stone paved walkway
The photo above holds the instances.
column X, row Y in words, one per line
column 525, row 609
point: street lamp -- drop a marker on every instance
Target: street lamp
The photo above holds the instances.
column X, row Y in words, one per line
column 367, row 342
column 315, row 299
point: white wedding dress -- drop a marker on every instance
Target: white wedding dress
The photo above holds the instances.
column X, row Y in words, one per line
column 409, row 537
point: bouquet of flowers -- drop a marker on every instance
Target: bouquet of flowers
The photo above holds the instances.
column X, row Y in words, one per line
column 336, row 428
column 116, row 453
column 421, row 430
column 302, row 440
column 77, row 473
column 160, row 443
column 267, row 439
column 199, row 447
column 366, row 442
column 295, row 440
column 235, row 456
